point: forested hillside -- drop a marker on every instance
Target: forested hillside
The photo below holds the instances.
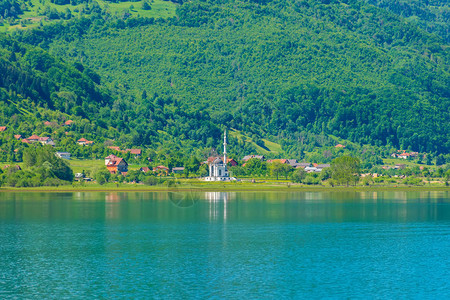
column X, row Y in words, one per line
column 282, row 70
column 431, row 15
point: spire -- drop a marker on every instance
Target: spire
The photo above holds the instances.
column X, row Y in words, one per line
column 225, row 147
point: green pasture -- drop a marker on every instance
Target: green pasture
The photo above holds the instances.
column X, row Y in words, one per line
column 35, row 14
column 273, row 147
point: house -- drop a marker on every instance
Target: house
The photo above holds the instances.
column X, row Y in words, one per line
column 303, row 165
column 84, row 142
column 135, row 152
column 68, row 123
column 34, row 138
column 292, row 162
column 248, row 157
column 116, row 165
column 26, row 141
column 46, row 141
column 17, row 136
column 281, row 161
column 311, row 169
column 2, row 128
column 17, row 167
column 161, row 170
column 413, row 154
column 115, row 148
column 110, row 158
column 79, row 176
column 231, row 162
column 177, row 170
column 322, row 166
column 63, row 155
column 339, row 146
column 404, row 155
column 145, row 169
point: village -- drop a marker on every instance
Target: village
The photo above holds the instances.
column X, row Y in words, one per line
column 222, row 167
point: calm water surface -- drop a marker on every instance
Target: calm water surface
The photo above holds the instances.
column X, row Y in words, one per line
column 225, row 245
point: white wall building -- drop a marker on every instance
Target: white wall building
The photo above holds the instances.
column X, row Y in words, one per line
column 218, row 168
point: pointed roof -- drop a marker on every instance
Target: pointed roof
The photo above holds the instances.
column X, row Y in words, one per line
column 112, row 157
column 34, row 137
column 82, row 140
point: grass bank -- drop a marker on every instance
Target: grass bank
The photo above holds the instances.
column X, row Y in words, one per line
column 232, row 187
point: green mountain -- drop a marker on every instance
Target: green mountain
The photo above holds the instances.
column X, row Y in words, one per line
column 279, row 70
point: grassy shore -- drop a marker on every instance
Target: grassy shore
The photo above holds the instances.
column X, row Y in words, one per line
column 220, row 186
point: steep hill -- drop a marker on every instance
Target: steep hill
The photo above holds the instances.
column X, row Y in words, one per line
column 276, row 69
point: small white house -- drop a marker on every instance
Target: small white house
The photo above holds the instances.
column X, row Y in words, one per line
column 63, row 155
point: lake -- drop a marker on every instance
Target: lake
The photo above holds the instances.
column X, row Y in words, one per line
column 266, row 245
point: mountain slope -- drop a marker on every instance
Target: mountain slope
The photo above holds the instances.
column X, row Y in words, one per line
column 280, row 68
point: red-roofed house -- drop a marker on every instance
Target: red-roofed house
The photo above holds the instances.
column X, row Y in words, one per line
column 161, row 170
column 110, row 158
column 3, row 128
column 115, row 148
column 17, row 136
column 68, row 123
column 135, row 152
column 26, row 141
column 145, row 169
column 46, row 141
column 281, row 161
column 84, row 142
column 339, row 146
column 33, row 138
column 231, row 162
column 404, row 155
column 116, row 165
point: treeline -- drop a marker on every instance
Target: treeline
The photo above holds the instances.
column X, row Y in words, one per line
column 42, row 168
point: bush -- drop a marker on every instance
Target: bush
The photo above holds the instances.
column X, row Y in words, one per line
column 151, row 180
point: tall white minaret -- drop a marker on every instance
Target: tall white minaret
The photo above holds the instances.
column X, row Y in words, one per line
column 225, row 147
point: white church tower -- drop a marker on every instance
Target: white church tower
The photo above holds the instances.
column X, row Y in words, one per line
column 218, row 167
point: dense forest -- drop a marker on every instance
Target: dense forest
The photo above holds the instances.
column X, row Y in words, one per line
column 295, row 72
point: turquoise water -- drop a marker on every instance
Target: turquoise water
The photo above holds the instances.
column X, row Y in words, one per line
column 225, row 245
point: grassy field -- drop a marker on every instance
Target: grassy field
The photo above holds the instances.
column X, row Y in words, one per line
column 394, row 161
column 272, row 147
column 221, row 186
column 35, row 14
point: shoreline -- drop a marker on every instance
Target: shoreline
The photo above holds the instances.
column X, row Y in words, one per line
column 221, row 188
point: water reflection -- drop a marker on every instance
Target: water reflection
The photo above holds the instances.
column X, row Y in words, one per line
column 218, row 203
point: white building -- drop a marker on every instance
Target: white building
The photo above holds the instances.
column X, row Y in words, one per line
column 218, row 168
column 63, row 155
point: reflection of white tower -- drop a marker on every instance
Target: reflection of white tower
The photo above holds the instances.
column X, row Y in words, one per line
column 216, row 199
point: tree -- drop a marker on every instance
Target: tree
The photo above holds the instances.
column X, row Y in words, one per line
column 276, row 168
column 345, row 169
column 285, row 170
column 298, row 175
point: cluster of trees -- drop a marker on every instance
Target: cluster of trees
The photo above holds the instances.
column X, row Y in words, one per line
column 42, row 168
column 432, row 16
